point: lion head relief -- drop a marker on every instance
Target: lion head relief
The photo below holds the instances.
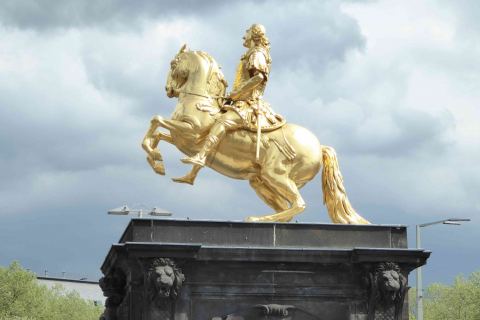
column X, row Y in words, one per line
column 388, row 287
column 164, row 279
column 390, row 282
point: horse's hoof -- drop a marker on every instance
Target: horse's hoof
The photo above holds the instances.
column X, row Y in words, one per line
column 269, row 218
column 157, row 166
column 253, row 219
column 183, row 180
column 160, row 169
column 156, row 155
column 156, row 120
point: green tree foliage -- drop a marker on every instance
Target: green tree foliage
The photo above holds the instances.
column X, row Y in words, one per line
column 460, row 301
column 23, row 298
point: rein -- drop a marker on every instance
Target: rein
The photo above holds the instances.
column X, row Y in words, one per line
column 201, row 95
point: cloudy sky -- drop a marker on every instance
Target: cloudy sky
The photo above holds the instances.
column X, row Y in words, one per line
column 393, row 86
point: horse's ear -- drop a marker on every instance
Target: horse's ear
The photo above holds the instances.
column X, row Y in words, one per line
column 183, row 49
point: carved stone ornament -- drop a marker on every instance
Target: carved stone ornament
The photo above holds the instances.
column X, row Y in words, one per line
column 164, row 279
column 113, row 287
column 387, row 291
column 274, row 309
column 260, row 311
column 268, row 312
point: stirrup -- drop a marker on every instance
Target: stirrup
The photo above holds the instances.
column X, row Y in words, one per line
column 194, row 160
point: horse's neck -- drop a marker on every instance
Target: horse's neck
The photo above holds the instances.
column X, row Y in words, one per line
column 197, row 80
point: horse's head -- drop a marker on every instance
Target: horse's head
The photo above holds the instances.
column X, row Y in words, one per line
column 178, row 74
column 194, row 72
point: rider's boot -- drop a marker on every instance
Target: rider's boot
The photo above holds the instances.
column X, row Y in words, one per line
column 200, row 158
column 216, row 134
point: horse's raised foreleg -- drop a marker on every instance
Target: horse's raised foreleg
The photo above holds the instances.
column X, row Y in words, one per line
column 150, row 145
column 186, row 129
column 153, row 137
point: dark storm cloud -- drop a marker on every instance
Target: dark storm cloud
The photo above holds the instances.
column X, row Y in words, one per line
column 54, row 142
column 51, row 14
column 313, row 39
column 143, row 87
column 303, row 34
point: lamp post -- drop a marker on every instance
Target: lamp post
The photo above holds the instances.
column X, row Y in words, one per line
column 125, row 210
column 450, row 221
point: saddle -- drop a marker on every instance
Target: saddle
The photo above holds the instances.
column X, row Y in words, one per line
column 272, row 121
column 247, row 111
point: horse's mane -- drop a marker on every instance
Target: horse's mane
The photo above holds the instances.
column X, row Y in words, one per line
column 205, row 55
column 213, row 63
column 193, row 61
column 189, row 63
column 214, row 66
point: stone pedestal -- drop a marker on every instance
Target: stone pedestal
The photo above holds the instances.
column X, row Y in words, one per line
column 213, row 270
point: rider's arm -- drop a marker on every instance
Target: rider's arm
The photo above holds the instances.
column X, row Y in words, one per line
column 258, row 69
column 248, row 86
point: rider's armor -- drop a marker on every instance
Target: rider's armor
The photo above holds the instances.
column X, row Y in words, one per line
column 255, row 59
column 249, row 101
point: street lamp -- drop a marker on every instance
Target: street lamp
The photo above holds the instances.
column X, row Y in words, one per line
column 125, row 210
column 451, row 221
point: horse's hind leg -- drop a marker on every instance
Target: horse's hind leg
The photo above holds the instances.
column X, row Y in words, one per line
column 273, row 199
column 280, row 184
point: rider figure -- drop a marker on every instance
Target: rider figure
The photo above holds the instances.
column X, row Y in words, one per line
column 244, row 107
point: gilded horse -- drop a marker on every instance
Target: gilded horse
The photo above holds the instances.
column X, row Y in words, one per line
column 290, row 156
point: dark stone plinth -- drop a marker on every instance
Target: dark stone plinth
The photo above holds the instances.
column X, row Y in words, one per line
column 204, row 270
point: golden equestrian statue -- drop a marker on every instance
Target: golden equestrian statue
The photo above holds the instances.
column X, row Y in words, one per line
column 240, row 136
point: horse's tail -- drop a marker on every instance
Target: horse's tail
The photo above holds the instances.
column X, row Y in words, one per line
column 334, row 196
